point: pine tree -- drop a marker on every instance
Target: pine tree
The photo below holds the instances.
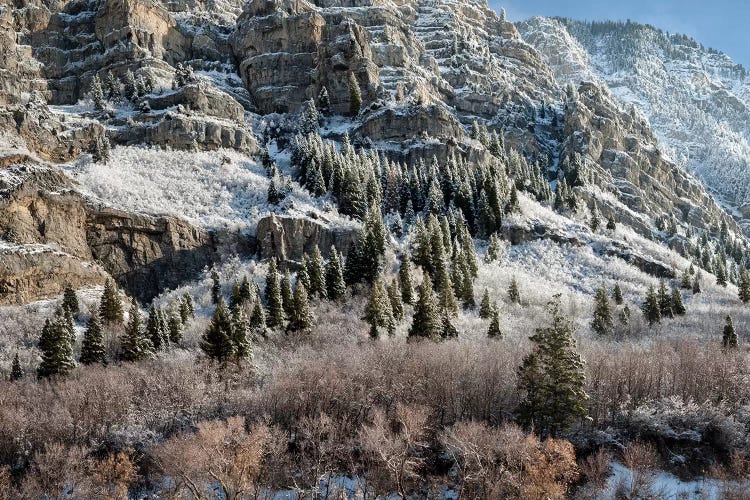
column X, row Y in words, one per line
column 378, row 311
column 729, row 339
column 110, row 308
column 215, row 287
column 721, row 274
column 56, row 344
column 625, row 316
column 494, row 248
column 650, row 307
column 594, row 221
column 174, row 326
column 113, row 86
column 485, row 308
column 235, row 299
column 617, row 294
column 447, row 329
column 551, row 378
column 275, row 195
column 611, row 225
column 302, row 319
column 16, row 372
column 426, row 322
column 70, row 301
column 154, row 328
column 246, row 293
column 186, row 308
column 317, row 275
column 355, row 96
column 136, row 346
column 446, row 295
column 665, row 301
column 258, row 318
column 697, row 285
column 92, row 347
column 494, row 331
column 404, row 278
column 287, row 294
column 686, row 282
column 130, row 86
column 309, row 121
column 96, row 91
column 743, row 287
column 216, row 341
column 514, row 295
column 678, row 307
column 335, row 284
column 273, row 297
column 324, row 102
column 397, row 306
column 602, row 323
column 241, row 336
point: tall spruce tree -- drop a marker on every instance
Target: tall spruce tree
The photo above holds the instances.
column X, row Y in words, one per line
column 70, row 301
column 405, row 282
column 665, row 301
column 551, row 378
column 426, row 322
column 602, row 323
column 110, row 308
column 154, row 328
column 217, row 341
column 215, row 287
column 135, row 344
column 514, row 295
column 16, row 372
column 317, row 274
column 302, row 319
column 485, row 307
column 397, row 306
column 334, row 272
column 617, row 294
column 697, row 285
column 729, row 339
column 678, row 307
column 56, row 344
column 287, row 293
column 378, row 311
column 651, row 309
column 494, row 331
column 743, row 287
column 174, row 325
column 258, row 318
column 447, row 329
column 92, row 347
column 274, row 300
column 243, row 350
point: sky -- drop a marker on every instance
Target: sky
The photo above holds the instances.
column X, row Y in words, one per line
column 721, row 24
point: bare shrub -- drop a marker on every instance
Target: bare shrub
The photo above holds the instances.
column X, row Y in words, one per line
column 112, row 477
column 642, row 461
column 504, row 462
column 220, row 453
column 595, row 470
column 56, row 472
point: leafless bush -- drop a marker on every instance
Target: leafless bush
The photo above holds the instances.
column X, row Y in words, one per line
column 642, row 461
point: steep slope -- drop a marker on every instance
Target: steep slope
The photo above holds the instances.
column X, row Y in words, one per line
column 696, row 99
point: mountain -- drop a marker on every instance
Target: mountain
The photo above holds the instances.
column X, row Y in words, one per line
column 358, row 233
column 696, row 99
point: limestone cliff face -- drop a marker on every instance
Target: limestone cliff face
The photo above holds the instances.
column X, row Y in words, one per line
column 290, row 238
column 47, row 224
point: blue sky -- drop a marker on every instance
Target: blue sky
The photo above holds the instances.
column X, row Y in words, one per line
column 721, row 24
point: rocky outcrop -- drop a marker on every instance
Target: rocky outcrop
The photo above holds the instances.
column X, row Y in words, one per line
column 35, row 272
column 404, row 123
column 40, row 211
column 147, row 254
column 288, row 238
column 202, row 99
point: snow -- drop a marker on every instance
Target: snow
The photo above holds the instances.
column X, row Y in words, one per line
column 212, row 189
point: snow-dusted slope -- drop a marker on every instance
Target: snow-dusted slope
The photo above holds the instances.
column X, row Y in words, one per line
column 696, row 99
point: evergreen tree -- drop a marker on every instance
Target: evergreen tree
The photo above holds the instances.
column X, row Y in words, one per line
column 96, row 91
column 594, row 221
column 335, row 284
column 70, row 301
column 514, row 295
column 448, row 329
column 494, row 248
column 324, row 102
column 154, row 328
column 136, row 346
column 275, row 195
column 92, row 347
column 317, row 275
column 397, row 306
column 174, row 326
column 241, row 336
column 235, row 299
column 729, row 339
column 665, row 301
column 611, row 225
column 378, row 311
column 485, row 308
column 625, row 316
column 617, row 294
column 16, row 372
column 721, row 274
column 404, row 278
column 302, row 319
column 678, row 307
column 287, row 294
column 217, row 341
column 186, row 308
column 551, row 378
column 273, row 297
column 426, row 322
column 215, row 287
column 697, row 285
column 602, row 323
column 355, row 96
column 246, row 293
column 130, row 89
column 309, row 121
column 110, row 308
column 258, row 318
column 743, row 287
column 651, row 309
column 56, row 344
column 113, row 86
column 686, row 282
column 494, row 331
